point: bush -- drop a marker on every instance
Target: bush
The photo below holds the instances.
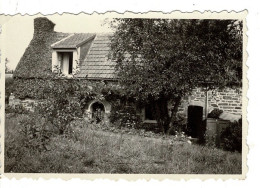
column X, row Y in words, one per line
column 215, row 113
column 35, row 131
column 124, row 116
column 9, row 88
column 60, row 111
column 231, row 137
column 178, row 125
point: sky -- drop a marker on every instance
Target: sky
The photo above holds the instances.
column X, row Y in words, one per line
column 17, row 31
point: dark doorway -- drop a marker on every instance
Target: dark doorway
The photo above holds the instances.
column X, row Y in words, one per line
column 98, row 111
column 195, row 116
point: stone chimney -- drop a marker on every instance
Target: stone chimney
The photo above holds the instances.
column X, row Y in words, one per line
column 43, row 25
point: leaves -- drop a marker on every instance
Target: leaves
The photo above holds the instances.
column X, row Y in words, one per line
column 163, row 59
column 169, row 57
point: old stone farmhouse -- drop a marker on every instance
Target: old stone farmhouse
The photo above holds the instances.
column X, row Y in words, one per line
column 85, row 55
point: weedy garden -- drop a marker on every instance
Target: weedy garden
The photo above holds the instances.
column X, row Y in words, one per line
column 33, row 146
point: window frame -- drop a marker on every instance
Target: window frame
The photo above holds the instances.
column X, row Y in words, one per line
column 60, row 58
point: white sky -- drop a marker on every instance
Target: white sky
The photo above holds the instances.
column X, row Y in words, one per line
column 17, row 31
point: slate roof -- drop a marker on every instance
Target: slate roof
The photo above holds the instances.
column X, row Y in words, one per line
column 96, row 64
column 74, row 40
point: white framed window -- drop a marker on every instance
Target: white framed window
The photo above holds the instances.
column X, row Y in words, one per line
column 66, row 62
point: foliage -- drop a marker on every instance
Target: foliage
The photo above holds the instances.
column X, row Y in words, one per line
column 39, row 88
column 60, row 111
column 36, row 132
column 159, row 60
column 9, row 88
column 215, row 113
column 124, row 115
column 63, row 100
column 17, row 109
column 23, row 133
column 97, row 151
column 210, row 140
column 231, row 137
column 178, row 125
column 113, row 91
column 84, row 90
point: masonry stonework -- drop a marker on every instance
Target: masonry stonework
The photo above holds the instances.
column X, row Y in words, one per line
column 28, row 104
column 228, row 100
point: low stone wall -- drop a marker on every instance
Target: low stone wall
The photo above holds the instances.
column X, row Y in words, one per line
column 27, row 103
column 228, row 100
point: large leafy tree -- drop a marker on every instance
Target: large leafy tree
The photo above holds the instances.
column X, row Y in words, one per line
column 162, row 60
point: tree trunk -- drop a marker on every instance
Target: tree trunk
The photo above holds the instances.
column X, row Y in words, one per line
column 161, row 114
column 174, row 110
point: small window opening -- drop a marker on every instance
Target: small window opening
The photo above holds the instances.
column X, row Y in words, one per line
column 149, row 112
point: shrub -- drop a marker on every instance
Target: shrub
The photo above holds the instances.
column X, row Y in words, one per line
column 35, row 131
column 124, row 116
column 231, row 137
column 210, row 140
column 178, row 125
column 9, row 88
column 215, row 113
column 60, row 111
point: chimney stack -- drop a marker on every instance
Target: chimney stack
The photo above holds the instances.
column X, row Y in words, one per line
column 43, row 25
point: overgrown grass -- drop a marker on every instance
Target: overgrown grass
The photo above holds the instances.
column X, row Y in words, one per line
column 88, row 150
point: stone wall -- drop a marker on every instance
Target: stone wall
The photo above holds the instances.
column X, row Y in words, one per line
column 228, row 100
column 28, row 104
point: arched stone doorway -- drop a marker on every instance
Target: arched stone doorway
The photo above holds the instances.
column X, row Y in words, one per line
column 97, row 111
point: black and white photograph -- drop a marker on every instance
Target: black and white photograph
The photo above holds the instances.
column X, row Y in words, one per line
column 99, row 94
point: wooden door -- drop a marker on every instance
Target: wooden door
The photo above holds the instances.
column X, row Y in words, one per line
column 195, row 116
